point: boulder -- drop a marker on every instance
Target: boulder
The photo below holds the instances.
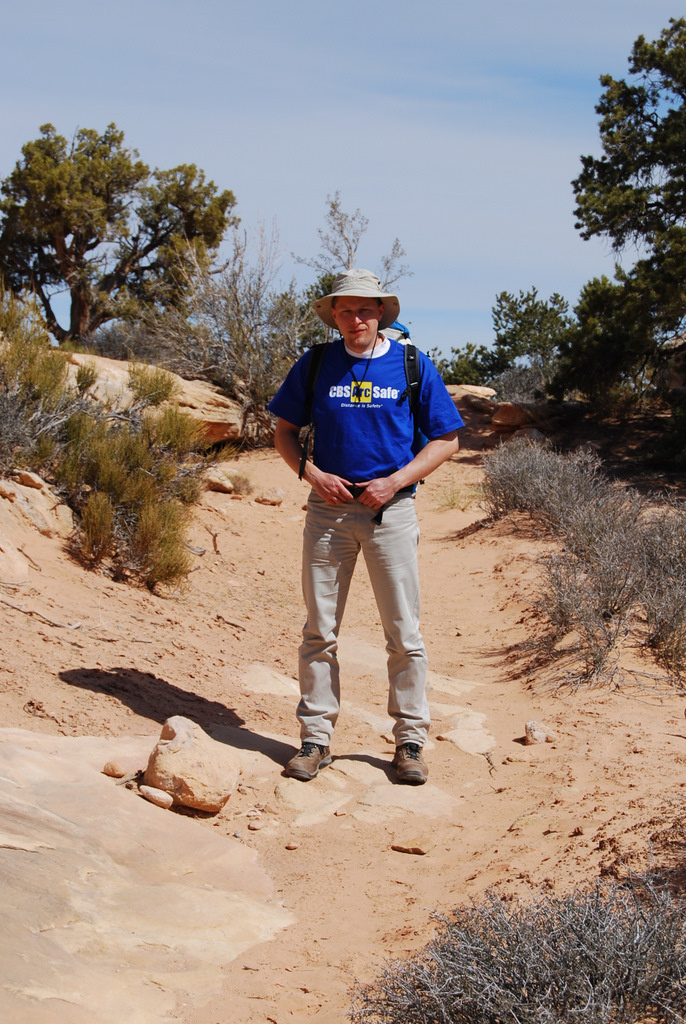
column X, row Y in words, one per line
column 461, row 390
column 220, row 416
column 194, row 769
column 509, row 416
column 223, row 478
column 479, row 403
column 28, row 501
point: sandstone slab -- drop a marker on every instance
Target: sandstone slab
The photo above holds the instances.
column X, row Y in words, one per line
column 113, row 910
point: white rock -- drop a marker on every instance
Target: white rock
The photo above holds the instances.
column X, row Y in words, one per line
column 156, row 796
column 535, row 732
column 194, row 769
column 274, row 496
column 217, row 479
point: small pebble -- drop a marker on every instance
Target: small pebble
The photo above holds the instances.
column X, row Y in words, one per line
column 114, row 770
column 156, row 796
column 254, row 826
column 292, row 846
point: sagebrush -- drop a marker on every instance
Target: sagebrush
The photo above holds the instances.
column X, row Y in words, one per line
column 604, row 954
column 620, row 575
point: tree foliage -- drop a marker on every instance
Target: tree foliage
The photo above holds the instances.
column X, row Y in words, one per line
column 611, row 350
column 528, row 334
column 240, row 329
column 634, row 195
column 88, row 217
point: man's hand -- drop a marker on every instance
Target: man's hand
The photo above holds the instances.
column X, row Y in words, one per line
column 331, row 488
column 376, row 493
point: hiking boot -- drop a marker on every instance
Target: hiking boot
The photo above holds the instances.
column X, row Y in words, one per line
column 307, row 762
column 409, row 764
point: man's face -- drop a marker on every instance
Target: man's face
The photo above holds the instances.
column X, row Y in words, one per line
column 357, row 319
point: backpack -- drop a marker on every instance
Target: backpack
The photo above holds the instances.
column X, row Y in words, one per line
column 413, row 379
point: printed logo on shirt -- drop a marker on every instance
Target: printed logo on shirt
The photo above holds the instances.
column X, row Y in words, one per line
column 361, row 391
column 367, row 394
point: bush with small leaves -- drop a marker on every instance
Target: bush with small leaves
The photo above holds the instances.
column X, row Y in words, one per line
column 622, row 567
column 663, row 589
column 529, row 477
column 151, row 385
column 97, row 524
column 146, row 472
column 35, row 399
column 605, row 954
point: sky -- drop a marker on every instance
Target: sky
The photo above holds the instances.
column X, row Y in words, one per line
column 454, row 127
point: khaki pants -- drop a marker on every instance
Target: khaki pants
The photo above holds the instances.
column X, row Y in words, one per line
column 332, row 540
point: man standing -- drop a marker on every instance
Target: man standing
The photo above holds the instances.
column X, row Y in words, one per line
column 362, row 474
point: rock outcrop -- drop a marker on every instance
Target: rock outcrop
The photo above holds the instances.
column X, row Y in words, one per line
column 26, row 500
column 219, row 415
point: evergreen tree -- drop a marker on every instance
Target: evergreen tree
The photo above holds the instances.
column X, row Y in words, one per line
column 635, row 196
column 90, row 218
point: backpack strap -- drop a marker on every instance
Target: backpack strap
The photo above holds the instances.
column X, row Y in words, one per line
column 413, row 377
column 314, row 365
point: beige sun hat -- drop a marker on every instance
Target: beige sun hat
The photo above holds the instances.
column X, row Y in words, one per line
column 362, row 284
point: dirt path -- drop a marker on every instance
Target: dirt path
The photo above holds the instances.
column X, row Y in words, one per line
column 361, row 862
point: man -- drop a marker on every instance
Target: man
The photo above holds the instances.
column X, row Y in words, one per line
column 362, row 477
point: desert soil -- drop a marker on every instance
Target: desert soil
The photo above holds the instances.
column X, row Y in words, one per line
column 362, row 864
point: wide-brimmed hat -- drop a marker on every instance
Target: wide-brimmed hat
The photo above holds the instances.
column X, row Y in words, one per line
column 360, row 284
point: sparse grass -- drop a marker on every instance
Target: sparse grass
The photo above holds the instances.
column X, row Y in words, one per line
column 606, row 954
column 457, row 496
column 242, row 484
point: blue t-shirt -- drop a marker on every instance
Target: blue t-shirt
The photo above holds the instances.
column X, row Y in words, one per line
column 363, row 427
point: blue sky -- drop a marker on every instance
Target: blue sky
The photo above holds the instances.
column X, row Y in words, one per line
column 455, row 127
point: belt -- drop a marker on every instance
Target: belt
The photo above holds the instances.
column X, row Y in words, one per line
column 357, row 491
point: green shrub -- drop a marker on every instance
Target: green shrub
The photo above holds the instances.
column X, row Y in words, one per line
column 607, row 954
column 149, row 471
column 151, row 385
column 157, row 544
column 35, row 399
column 129, row 474
column 97, row 523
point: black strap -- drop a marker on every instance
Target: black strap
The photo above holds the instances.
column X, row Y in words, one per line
column 314, row 365
column 412, row 376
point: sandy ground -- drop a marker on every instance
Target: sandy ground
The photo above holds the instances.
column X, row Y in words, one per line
column 87, row 656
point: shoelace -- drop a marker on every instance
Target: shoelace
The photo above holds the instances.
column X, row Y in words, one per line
column 412, row 750
column 308, row 749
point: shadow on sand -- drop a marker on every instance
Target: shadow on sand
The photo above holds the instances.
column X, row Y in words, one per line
column 157, row 700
